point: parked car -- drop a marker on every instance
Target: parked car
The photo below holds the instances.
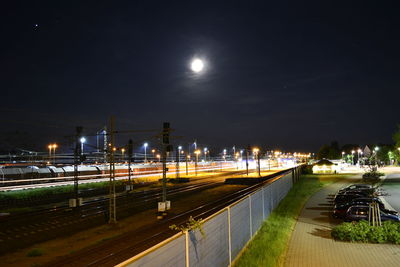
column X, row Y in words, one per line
column 348, row 196
column 355, row 187
column 339, row 210
column 358, row 213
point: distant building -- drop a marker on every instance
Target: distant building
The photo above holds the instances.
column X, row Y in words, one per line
column 367, row 152
column 325, row 166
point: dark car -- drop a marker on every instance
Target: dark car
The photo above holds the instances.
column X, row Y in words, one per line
column 355, row 187
column 349, row 196
column 339, row 210
column 366, row 191
column 358, row 213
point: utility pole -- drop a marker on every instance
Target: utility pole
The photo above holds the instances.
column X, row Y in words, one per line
column 105, row 146
column 177, row 162
column 112, row 200
column 259, row 165
column 197, row 159
column 130, row 154
column 187, row 158
column 247, row 160
column 77, row 159
column 164, row 205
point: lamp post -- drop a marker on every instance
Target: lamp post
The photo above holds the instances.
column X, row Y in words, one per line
column 187, row 159
column 49, row 146
column 145, row 148
column 352, row 157
column 153, row 151
column 343, row 155
column 376, row 155
column 224, row 152
column 196, row 152
column 179, row 153
column 54, row 153
column 123, row 153
column 159, row 157
column 82, row 140
column 205, row 153
column 257, row 158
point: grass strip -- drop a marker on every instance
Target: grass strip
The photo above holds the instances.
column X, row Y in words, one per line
column 269, row 245
column 46, row 191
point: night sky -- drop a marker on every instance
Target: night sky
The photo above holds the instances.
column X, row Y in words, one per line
column 283, row 75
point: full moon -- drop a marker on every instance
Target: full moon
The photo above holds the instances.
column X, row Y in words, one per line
column 197, row 65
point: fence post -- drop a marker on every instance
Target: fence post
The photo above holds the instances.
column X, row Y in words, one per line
column 187, row 247
column 251, row 221
column 229, row 236
column 263, row 204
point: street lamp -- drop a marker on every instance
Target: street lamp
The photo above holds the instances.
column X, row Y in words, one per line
column 343, row 155
column 352, row 157
column 52, row 149
column 159, row 157
column 196, row 152
column 145, row 148
column 82, row 140
column 54, row 153
column 376, row 155
column 179, row 153
column 205, row 153
column 187, row 159
column 123, row 152
column 153, row 151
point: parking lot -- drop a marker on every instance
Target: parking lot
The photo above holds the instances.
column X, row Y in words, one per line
column 312, row 245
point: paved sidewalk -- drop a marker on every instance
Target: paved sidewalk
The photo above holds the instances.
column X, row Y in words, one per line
column 312, row 245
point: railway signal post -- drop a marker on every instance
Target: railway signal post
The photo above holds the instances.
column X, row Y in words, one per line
column 164, row 205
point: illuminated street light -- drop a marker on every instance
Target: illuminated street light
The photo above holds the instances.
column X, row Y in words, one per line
column 196, row 152
column 54, row 153
column 205, row 153
column 52, row 150
column 159, row 157
column 359, row 152
column 179, row 153
column 153, row 151
column 256, row 151
column 376, row 155
column 123, row 152
column 82, row 140
column 145, row 148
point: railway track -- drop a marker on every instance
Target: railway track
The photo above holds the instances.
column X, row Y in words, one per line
column 26, row 229
column 117, row 250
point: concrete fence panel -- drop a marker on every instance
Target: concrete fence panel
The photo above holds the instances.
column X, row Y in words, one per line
column 267, row 201
column 226, row 233
column 212, row 249
column 256, row 211
column 240, row 226
column 171, row 254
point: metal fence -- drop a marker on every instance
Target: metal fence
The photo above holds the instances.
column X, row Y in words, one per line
column 227, row 232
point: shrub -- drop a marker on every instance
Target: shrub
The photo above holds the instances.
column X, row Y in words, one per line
column 372, row 175
column 36, row 252
column 363, row 232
